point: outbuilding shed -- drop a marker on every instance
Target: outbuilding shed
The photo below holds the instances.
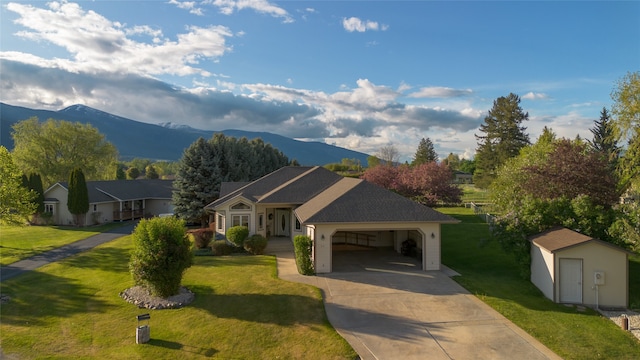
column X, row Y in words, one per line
column 569, row 267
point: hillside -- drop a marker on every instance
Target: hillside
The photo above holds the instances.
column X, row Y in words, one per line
column 167, row 141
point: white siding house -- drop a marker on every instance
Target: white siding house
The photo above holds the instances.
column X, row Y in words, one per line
column 329, row 209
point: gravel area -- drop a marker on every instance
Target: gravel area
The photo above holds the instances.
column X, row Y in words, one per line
column 617, row 317
column 139, row 296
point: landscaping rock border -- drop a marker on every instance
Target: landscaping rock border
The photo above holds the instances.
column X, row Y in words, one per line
column 617, row 315
column 141, row 297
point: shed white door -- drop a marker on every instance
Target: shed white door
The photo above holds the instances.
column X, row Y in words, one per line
column 571, row 281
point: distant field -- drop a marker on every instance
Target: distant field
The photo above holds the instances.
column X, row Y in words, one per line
column 473, row 194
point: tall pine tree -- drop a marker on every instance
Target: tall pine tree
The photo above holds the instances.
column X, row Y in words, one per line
column 78, row 197
column 425, row 153
column 503, row 138
column 604, row 140
column 35, row 184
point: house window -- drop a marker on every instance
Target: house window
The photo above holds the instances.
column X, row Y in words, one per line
column 260, row 221
column 48, row 208
column 220, row 222
column 240, row 220
column 241, row 206
column 95, row 207
column 298, row 225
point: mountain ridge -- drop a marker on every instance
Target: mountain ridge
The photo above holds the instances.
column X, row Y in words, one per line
column 166, row 141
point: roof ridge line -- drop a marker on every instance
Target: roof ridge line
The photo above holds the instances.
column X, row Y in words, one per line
column 287, row 183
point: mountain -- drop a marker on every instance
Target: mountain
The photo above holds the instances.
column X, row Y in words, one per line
column 166, row 141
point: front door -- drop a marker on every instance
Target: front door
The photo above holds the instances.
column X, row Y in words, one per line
column 282, row 222
column 571, row 281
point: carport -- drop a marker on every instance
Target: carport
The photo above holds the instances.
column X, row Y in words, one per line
column 359, row 250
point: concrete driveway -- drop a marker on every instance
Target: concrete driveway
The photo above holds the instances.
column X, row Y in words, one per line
column 387, row 308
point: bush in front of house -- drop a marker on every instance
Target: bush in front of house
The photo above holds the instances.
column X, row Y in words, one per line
column 302, row 245
column 220, row 248
column 160, row 256
column 237, row 235
column 255, row 244
column 201, row 237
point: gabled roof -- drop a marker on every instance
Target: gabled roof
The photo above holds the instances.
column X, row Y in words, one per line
column 560, row 238
column 290, row 185
column 358, row 201
column 122, row 190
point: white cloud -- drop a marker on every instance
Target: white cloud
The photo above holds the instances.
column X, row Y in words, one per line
column 355, row 24
column 535, row 96
column 228, row 7
column 440, row 92
column 188, row 5
column 97, row 44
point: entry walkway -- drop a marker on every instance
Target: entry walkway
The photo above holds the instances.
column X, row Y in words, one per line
column 34, row 262
column 391, row 310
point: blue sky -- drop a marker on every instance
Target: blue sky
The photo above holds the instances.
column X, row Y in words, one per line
column 357, row 74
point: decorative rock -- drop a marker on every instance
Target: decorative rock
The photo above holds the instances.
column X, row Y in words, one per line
column 141, row 297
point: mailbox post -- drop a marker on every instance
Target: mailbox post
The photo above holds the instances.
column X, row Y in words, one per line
column 143, row 333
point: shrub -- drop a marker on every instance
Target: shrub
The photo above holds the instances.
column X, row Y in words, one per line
column 220, row 247
column 161, row 254
column 201, row 237
column 302, row 245
column 237, row 235
column 255, row 244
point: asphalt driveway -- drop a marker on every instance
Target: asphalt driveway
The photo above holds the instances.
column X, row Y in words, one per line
column 386, row 307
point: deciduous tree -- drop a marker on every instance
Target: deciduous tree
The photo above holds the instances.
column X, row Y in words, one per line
column 16, row 200
column 54, row 148
column 35, row 184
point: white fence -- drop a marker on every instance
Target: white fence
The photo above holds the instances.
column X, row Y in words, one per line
column 479, row 209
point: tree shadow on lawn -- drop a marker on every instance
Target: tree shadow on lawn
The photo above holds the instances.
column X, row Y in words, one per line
column 279, row 309
column 172, row 345
column 37, row 298
column 114, row 259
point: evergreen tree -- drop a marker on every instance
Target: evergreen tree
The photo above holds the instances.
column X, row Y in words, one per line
column 35, row 184
column 133, row 173
column 503, row 138
column 206, row 164
column 604, row 140
column 78, row 197
column 151, row 173
column 120, row 174
column 425, row 153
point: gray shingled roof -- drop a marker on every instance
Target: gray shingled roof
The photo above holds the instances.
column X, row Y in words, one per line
column 560, row 238
column 357, row 201
column 255, row 189
column 123, row 190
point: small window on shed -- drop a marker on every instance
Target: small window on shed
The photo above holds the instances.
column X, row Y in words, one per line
column 241, row 206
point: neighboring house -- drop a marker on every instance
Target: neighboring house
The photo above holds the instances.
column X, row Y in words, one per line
column 329, row 209
column 113, row 200
column 461, row 177
column 569, row 267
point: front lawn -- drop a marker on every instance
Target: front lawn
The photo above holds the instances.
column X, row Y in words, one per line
column 72, row 309
column 493, row 276
column 20, row 242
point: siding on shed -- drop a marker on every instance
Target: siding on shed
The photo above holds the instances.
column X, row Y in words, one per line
column 543, row 271
column 596, row 257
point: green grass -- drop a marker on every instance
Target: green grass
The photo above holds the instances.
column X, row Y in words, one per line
column 472, row 194
column 19, row 242
column 72, row 309
column 493, row 276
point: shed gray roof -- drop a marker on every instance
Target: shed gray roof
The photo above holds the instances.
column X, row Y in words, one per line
column 123, row 190
column 560, row 238
column 358, row 201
